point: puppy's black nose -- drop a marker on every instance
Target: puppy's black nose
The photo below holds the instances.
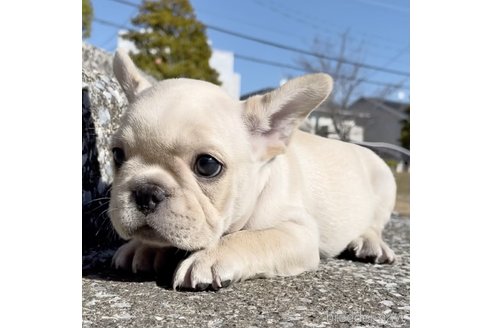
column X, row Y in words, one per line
column 147, row 197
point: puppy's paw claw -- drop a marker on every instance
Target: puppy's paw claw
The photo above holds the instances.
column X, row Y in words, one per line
column 202, row 271
column 123, row 257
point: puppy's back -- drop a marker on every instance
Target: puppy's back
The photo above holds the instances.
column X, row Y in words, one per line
column 348, row 188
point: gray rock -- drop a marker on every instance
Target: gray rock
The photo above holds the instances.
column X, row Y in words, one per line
column 339, row 294
column 96, row 60
column 107, row 104
column 103, row 103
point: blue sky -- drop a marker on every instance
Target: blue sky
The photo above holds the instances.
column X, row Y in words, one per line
column 382, row 26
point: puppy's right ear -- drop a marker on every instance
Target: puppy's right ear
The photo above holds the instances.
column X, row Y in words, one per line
column 272, row 118
column 128, row 75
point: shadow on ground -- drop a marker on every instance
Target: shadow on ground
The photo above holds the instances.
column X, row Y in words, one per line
column 97, row 265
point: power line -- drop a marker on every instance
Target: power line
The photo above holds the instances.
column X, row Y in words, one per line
column 128, row 3
column 301, row 69
column 247, row 22
column 289, row 48
column 398, row 55
column 305, row 52
column 268, row 62
column 271, row 63
column 307, row 19
column 108, row 23
column 395, row 57
column 384, row 5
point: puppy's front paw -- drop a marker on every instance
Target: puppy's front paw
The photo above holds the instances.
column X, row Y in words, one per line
column 138, row 257
column 134, row 256
column 205, row 270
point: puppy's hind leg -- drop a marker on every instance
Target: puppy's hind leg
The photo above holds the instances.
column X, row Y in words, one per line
column 369, row 247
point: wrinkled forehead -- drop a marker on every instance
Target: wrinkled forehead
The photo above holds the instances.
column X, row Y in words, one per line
column 182, row 113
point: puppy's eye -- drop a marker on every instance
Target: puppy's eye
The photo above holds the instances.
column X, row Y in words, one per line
column 207, row 166
column 118, row 157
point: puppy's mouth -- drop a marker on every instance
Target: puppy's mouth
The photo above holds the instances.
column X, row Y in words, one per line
column 148, row 234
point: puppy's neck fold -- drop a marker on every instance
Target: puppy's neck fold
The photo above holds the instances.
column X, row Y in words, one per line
column 250, row 198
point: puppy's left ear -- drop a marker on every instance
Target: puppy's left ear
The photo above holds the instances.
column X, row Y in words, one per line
column 272, row 118
column 128, row 75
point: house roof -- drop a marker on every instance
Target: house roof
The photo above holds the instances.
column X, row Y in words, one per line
column 395, row 108
column 257, row 92
column 326, row 109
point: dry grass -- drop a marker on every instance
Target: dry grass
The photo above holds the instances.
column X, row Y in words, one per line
column 403, row 193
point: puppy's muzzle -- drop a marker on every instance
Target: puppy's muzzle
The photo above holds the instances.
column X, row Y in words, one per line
column 147, row 197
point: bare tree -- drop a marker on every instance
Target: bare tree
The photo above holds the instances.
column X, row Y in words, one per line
column 387, row 90
column 348, row 79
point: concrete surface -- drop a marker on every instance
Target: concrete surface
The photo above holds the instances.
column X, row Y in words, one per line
column 339, row 294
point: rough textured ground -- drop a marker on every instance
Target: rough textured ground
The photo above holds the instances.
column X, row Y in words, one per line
column 339, row 294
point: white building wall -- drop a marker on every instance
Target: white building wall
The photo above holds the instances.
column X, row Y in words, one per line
column 125, row 44
column 223, row 62
column 356, row 132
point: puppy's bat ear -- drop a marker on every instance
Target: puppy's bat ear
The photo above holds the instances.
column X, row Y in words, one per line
column 128, row 75
column 272, row 118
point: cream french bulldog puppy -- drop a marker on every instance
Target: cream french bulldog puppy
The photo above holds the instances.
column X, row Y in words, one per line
column 237, row 184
